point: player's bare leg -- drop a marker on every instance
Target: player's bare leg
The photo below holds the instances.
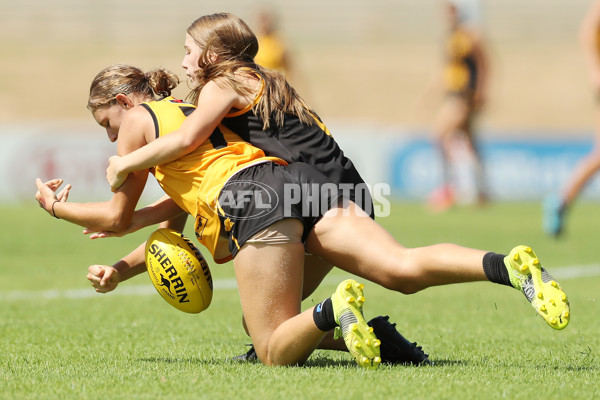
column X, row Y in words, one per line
column 478, row 168
column 348, row 238
column 270, row 280
column 315, row 270
column 556, row 206
column 395, row 348
column 452, row 117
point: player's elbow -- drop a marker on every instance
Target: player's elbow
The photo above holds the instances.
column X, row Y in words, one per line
column 117, row 220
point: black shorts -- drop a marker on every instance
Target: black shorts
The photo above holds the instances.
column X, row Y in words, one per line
column 359, row 193
column 260, row 195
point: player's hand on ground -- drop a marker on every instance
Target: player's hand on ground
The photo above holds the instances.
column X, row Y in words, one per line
column 114, row 175
column 103, row 278
column 46, row 194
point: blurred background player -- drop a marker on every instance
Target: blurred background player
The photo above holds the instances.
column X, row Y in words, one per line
column 555, row 206
column 272, row 51
column 465, row 76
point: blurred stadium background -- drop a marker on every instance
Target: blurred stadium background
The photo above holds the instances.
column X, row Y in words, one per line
column 363, row 65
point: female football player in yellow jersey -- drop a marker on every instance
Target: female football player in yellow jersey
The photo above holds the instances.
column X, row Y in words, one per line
column 270, row 273
column 465, row 79
column 556, row 206
column 122, row 99
column 220, row 60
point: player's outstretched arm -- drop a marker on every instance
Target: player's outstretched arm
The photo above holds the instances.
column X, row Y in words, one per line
column 165, row 209
column 214, row 103
column 105, row 278
column 116, row 213
column 112, row 215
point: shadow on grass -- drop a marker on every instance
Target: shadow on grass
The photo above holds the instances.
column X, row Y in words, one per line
column 444, row 363
column 579, row 368
column 316, row 363
column 313, row 362
column 179, row 360
column 324, row 362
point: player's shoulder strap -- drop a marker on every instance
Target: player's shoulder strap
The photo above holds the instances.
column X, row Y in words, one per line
column 168, row 114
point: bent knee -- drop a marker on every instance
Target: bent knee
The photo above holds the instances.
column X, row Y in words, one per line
column 403, row 285
column 403, row 276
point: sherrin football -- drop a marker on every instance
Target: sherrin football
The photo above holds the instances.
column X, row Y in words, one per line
column 178, row 271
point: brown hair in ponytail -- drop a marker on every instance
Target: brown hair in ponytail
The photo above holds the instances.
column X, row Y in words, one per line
column 125, row 79
column 234, row 44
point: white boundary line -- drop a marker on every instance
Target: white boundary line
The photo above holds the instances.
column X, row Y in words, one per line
column 564, row 273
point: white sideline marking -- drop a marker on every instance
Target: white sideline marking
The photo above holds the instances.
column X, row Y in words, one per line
column 84, row 293
column 572, row 272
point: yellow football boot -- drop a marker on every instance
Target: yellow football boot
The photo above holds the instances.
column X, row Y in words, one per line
column 360, row 340
column 543, row 292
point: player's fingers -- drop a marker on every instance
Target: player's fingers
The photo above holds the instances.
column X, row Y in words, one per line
column 94, row 234
column 43, row 189
column 94, row 281
column 40, row 185
column 98, row 235
column 63, row 195
column 93, row 278
column 114, row 179
column 117, row 183
column 108, row 272
column 54, row 183
column 66, row 191
column 96, row 270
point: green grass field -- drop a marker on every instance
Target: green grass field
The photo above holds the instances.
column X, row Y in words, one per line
column 58, row 339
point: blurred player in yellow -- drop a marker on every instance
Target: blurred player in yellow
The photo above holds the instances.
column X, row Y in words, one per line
column 272, row 51
column 465, row 77
column 555, row 206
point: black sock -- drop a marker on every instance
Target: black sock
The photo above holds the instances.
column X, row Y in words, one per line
column 495, row 270
column 323, row 315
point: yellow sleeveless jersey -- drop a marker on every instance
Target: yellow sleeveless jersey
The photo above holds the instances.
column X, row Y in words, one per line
column 194, row 181
column 460, row 72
